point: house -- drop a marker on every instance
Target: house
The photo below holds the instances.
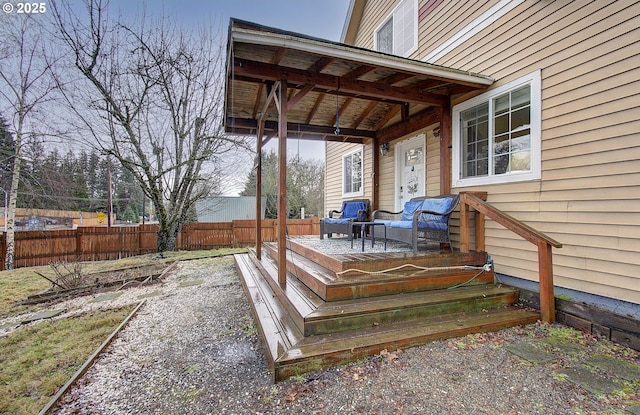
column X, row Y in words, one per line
column 554, row 140
column 228, row 208
column 530, row 104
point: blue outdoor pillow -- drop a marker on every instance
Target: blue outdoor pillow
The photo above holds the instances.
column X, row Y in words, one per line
column 409, row 208
column 438, row 205
column 351, row 209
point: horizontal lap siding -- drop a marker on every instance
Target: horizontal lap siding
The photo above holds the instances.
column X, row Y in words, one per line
column 589, row 195
column 333, row 177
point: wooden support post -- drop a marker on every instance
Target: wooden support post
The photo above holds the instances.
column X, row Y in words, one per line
column 545, row 271
column 281, row 103
column 465, row 225
column 258, row 168
column 480, row 234
column 376, row 173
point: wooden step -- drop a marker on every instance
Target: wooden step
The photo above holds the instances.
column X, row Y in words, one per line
column 314, row 316
column 289, row 352
column 330, row 287
column 340, row 263
column 316, row 352
column 277, row 330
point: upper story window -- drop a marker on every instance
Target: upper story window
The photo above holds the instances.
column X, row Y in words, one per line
column 352, row 173
column 398, row 33
column 496, row 135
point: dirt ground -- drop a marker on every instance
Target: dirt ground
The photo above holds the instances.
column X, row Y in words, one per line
column 193, row 348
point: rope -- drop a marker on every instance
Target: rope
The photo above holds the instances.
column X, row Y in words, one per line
column 385, row 271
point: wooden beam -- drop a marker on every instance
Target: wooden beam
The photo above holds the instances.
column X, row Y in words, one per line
column 413, row 123
column 392, row 112
column 314, row 109
column 249, row 126
column 259, row 190
column 364, row 114
column 270, row 97
column 321, row 64
column 395, row 78
column 342, row 109
column 256, row 105
column 264, row 71
column 359, row 71
column 297, row 97
column 376, row 173
column 278, row 56
column 282, row 184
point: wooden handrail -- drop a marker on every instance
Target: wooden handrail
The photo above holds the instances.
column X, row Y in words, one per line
column 542, row 241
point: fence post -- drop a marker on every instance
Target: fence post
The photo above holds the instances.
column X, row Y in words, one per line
column 3, row 249
column 78, row 244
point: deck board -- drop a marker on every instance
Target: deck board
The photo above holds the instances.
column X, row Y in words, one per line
column 320, row 318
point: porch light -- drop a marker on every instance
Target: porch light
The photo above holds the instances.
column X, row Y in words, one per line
column 384, row 149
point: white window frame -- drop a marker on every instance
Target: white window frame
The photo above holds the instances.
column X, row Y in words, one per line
column 534, row 79
column 360, row 150
column 396, row 15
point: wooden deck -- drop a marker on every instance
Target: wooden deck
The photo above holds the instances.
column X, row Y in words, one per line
column 336, row 308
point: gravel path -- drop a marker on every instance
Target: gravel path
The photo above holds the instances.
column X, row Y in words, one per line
column 193, row 349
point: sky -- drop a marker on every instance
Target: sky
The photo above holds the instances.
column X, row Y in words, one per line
column 319, row 18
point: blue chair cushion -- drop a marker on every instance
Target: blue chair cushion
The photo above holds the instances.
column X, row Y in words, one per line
column 409, row 208
column 337, row 221
column 386, row 222
column 438, row 205
column 405, row 224
column 350, row 209
column 401, row 224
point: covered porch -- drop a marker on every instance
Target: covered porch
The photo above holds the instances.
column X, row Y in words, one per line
column 287, row 85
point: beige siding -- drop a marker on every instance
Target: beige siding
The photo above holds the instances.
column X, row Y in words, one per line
column 333, row 176
column 374, row 13
column 589, row 195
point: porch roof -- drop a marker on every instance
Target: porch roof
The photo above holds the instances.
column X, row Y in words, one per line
column 367, row 94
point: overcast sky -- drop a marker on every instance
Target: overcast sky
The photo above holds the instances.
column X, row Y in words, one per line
column 320, row 18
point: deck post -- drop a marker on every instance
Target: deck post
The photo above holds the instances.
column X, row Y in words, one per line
column 281, row 103
column 258, row 167
column 445, row 148
column 545, row 271
column 465, row 224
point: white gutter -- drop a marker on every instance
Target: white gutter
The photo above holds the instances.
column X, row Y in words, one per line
column 362, row 56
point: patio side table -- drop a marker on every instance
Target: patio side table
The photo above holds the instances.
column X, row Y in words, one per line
column 372, row 227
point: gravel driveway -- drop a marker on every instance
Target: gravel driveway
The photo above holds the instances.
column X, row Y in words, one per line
column 193, row 349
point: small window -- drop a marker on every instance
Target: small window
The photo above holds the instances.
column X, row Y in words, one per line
column 398, row 33
column 496, row 135
column 352, row 173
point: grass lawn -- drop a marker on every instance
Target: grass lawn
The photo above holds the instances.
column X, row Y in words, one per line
column 17, row 284
column 38, row 360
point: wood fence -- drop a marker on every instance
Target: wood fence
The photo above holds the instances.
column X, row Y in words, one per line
column 97, row 243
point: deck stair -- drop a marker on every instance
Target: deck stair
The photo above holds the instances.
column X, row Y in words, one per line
column 328, row 314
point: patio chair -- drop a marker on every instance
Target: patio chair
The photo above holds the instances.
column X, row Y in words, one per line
column 352, row 211
column 423, row 219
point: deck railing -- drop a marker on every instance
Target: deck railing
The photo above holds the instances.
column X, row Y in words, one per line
column 542, row 241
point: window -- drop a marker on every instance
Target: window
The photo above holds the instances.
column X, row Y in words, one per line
column 398, row 33
column 496, row 135
column 352, row 174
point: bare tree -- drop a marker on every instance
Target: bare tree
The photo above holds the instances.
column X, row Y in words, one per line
column 152, row 99
column 26, row 85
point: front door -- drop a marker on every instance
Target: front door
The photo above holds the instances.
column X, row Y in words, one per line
column 410, row 172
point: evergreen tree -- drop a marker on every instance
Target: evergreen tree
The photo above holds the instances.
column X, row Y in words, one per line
column 305, row 185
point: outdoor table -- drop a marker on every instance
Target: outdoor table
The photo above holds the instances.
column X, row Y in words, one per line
column 372, row 227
